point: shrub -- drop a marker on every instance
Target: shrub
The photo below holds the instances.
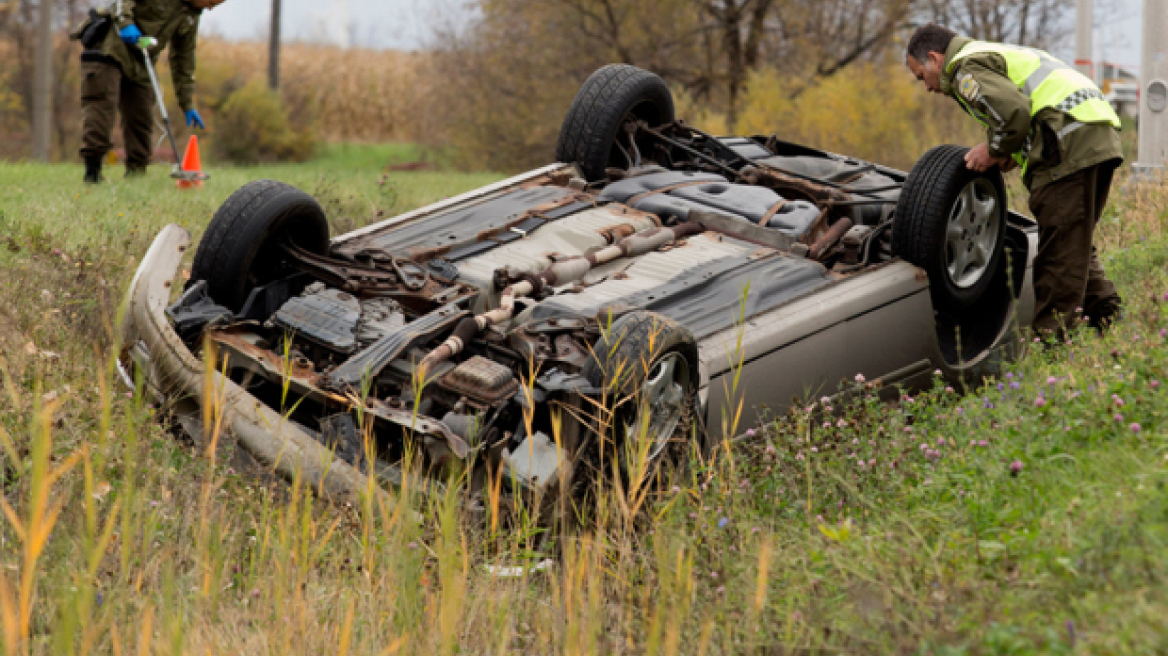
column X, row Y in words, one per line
column 874, row 111
column 255, row 127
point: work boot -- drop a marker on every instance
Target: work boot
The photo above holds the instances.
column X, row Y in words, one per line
column 135, row 171
column 1104, row 314
column 93, row 170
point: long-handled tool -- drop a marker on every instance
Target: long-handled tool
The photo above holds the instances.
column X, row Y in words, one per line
column 145, row 43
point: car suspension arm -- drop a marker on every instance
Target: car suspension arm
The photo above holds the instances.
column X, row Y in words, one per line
column 726, row 168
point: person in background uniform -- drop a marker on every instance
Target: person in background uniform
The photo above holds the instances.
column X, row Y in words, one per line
column 114, row 76
column 1046, row 117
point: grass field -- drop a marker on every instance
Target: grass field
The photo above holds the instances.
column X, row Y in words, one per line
column 1028, row 516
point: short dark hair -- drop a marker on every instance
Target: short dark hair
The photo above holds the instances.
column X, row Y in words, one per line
column 928, row 38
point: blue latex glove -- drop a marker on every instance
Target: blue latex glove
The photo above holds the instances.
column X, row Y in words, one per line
column 130, row 34
column 194, row 119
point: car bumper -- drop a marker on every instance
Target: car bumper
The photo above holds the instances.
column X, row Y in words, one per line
column 200, row 392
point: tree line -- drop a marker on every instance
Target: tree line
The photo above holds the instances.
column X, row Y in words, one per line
column 507, row 78
column 492, row 91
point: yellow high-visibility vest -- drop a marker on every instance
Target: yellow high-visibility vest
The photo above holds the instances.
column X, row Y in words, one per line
column 1047, row 81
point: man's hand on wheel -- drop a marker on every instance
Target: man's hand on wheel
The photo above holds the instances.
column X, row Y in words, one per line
column 979, row 159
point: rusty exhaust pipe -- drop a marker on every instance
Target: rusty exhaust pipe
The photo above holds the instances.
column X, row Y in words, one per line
column 560, row 273
column 829, row 238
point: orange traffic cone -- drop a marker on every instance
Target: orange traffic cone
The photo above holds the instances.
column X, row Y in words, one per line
column 192, row 164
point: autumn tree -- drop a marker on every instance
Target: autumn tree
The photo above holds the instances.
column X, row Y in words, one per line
column 1038, row 23
column 18, row 34
column 508, row 79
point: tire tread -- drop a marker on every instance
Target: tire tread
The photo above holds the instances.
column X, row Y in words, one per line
column 245, row 218
column 922, row 213
column 599, row 105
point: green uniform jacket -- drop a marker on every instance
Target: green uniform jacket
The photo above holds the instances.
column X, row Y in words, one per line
column 1057, row 146
column 174, row 23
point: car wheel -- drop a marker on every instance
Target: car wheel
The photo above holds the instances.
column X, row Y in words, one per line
column 951, row 222
column 241, row 248
column 609, row 98
column 647, row 366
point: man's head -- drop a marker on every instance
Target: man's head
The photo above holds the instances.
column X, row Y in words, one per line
column 206, row 4
column 925, row 54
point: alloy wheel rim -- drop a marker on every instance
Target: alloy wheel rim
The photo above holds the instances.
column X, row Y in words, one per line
column 972, row 233
column 662, row 402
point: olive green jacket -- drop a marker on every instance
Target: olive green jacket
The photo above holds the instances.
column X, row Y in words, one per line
column 1056, row 144
column 173, row 23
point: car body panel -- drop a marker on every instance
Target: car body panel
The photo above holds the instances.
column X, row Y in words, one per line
column 870, row 325
column 355, row 239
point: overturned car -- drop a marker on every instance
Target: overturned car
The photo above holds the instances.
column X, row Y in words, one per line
column 633, row 297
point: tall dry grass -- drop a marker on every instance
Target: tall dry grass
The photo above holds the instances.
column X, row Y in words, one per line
column 354, row 94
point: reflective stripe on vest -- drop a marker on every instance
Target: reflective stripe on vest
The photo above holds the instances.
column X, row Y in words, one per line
column 1047, row 81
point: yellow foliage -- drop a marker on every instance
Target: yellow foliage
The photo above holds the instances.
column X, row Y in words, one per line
column 874, row 111
column 699, row 115
column 354, row 94
column 259, row 129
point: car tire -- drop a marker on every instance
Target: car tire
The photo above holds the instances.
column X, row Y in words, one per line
column 607, row 99
column 645, row 362
column 241, row 248
column 951, row 222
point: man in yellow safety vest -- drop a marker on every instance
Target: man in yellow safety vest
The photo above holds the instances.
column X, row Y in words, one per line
column 1046, row 117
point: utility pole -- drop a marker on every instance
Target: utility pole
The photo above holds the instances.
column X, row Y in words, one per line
column 1084, row 49
column 42, row 89
column 274, row 48
column 1153, row 126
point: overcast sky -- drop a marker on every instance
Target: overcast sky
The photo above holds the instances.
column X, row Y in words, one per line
column 408, row 24
column 396, row 24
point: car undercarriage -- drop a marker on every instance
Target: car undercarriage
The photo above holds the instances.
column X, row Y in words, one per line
column 606, row 300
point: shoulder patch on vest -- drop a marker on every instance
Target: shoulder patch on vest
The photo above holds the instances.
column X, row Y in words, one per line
column 968, row 87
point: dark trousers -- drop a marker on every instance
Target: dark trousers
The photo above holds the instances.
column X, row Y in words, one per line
column 1067, row 272
column 105, row 92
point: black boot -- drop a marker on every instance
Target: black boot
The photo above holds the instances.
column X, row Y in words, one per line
column 93, row 169
column 1104, row 314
